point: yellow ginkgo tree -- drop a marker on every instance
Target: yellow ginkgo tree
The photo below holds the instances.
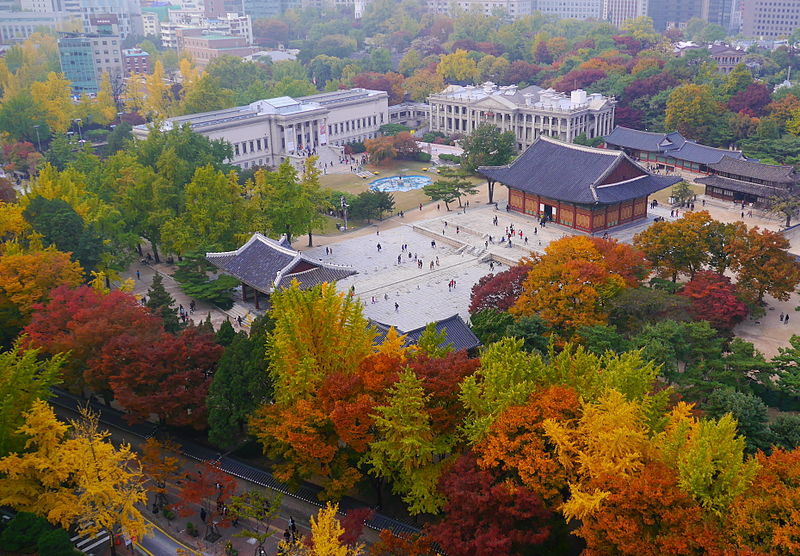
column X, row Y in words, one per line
column 72, row 475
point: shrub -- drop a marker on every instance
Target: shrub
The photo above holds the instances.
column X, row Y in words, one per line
column 423, row 157
column 96, row 134
column 454, row 158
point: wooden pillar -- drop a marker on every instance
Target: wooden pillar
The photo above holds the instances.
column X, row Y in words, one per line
column 244, row 291
column 255, row 297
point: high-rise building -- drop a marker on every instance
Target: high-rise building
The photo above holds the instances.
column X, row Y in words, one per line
column 85, row 58
column 18, row 26
column 770, row 19
column 151, row 24
column 512, row 8
column 42, row 6
column 674, row 13
column 719, row 12
column 620, row 11
column 263, row 8
column 128, row 13
column 570, row 9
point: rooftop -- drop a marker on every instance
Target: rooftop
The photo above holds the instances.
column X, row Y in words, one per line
column 577, row 174
column 756, row 170
column 513, row 97
column 672, row 144
column 266, row 265
column 457, row 333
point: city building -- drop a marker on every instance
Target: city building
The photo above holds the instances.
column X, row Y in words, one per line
column 579, row 187
column 410, row 114
column 675, row 13
column 85, row 58
column 570, row 9
column 151, row 24
column 667, row 151
column 770, row 19
column 268, row 131
column 42, row 6
column 17, row 26
column 719, row 12
column 726, row 57
column 528, row 112
column 620, row 11
column 194, row 23
column 748, row 181
column 128, row 14
column 136, row 60
column 512, row 8
column 263, row 265
column 269, row 8
column 203, row 47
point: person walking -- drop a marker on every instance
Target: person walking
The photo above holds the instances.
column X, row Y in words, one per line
column 786, row 319
column 396, row 307
column 379, row 248
column 781, row 317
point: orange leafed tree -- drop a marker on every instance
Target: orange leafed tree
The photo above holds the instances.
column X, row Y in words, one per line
column 27, row 277
column 763, row 265
column 571, row 282
column 647, row 514
column 517, row 444
column 210, row 488
column 766, row 517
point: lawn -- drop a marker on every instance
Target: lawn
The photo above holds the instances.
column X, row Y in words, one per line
column 403, row 200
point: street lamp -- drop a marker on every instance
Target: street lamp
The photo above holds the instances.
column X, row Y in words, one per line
column 38, row 141
column 344, row 211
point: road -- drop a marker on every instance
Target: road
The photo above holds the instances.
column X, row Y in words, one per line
column 160, row 543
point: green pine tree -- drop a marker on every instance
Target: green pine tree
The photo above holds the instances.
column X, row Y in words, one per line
column 160, row 302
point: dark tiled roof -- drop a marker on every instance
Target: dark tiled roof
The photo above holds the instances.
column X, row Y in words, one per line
column 263, row 263
column 457, row 333
column 741, row 186
column 631, row 189
column 559, row 170
column 755, row 170
column 670, row 144
column 570, row 173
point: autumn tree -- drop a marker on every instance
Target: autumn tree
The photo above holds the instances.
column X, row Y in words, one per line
column 486, row 145
column 27, row 277
column 82, row 322
column 458, row 67
column 407, row 450
column 55, row 97
column 380, row 149
column 326, row 532
column 423, row 83
column 485, row 515
column 763, row 265
column 160, row 464
column 24, row 378
column 74, row 476
column 764, row 517
column 569, row 286
column 209, row 487
column 318, row 333
column 499, row 291
column 714, row 299
column 168, row 376
column 516, row 443
column 693, row 111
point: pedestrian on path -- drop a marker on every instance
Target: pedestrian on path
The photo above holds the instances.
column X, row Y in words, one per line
column 781, row 317
column 138, row 276
column 379, row 248
column 786, row 319
column 203, row 515
column 293, row 527
column 396, row 307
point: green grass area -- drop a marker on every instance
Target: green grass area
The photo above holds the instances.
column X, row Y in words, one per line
column 404, row 200
column 663, row 196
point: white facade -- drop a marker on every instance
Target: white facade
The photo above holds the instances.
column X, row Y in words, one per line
column 267, row 131
column 528, row 112
column 570, row 9
column 620, row 11
column 128, row 12
column 232, row 24
column 151, row 24
column 512, row 8
column 18, row 26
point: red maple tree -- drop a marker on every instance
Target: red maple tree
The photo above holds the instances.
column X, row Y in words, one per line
column 499, row 291
column 168, row 377
column 714, row 299
column 488, row 517
column 210, row 488
column 82, row 321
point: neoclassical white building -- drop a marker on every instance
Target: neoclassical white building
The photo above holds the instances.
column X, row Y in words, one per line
column 528, row 112
column 267, row 131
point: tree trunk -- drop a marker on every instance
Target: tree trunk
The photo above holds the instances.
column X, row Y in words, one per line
column 156, row 258
column 447, row 206
column 310, row 240
column 459, row 201
column 491, row 190
column 139, row 249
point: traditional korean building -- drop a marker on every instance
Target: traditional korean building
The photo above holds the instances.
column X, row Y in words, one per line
column 667, row 151
column 264, row 265
column 580, row 187
column 747, row 181
column 457, row 333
